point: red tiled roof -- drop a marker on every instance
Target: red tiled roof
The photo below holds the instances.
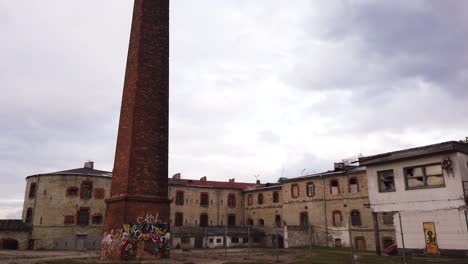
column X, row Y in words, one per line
column 213, row 184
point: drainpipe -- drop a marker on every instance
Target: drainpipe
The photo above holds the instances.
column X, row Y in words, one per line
column 324, row 209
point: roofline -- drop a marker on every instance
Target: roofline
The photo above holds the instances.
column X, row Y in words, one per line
column 264, row 188
column 329, row 173
column 455, row 146
column 69, row 174
column 207, row 186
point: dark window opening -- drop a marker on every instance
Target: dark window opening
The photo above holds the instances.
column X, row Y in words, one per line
column 250, row 222
column 32, row 190
column 261, row 222
column 219, row 240
column 179, row 198
column 338, row 242
column 204, row 199
column 387, row 218
column 355, row 218
column 386, row 181
column 72, row 191
column 86, row 190
column 68, row 219
column 304, row 219
column 387, row 242
column 260, row 198
column 334, row 187
column 235, row 240
column 278, row 220
column 232, row 200
column 353, row 185
column 185, row 240
column 97, row 219
column 179, row 219
column 231, row 220
column 28, row 219
column 203, row 220
column 275, row 197
column 82, row 217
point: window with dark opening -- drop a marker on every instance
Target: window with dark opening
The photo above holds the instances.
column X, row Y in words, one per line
column 353, row 185
column 387, row 242
column 72, row 191
column 294, row 190
column 310, row 189
column 232, row 200
column 424, row 176
column 260, row 198
column 278, row 220
column 261, row 222
column 249, row 199
column 203, row 220
column 204, row 199
column 86, row 190
column 97, row 219
column 28, row 219
column 32, row 190
column 179, row 199
column 179, row 219
column 334, row 187
column 338, row 242
column 235, row 240
column 82, row 217
column 304, row 219
column 386, row 181
column 231, row 220
column 275, row 197
column 355, row 218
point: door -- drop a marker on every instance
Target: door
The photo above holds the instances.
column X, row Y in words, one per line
column 360, row 243
column 198, row 242
column 10, row 243
column 430, row 237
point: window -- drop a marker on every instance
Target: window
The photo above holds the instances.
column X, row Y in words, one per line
column 235, row 240
column 275, row 197
column 387, row 218
column 203, row 220
column 211, row 240
column 204, row 199
column 82, row 217
column 232, row 200
column 28, row 219
column 386, row 181
column 260, row 198
column 72, row 191
column 179, row 199
column 353, row 186
column 355, row 218
column 424, row 176
column 86, row 189
column 360, row 243
column 337, row 218
column 294, row 191
column 304, row 219
column 338, row 242
column 219, row 240
column 310, row 189
column 278, row 220
column 32, row 190
column 249, row 199
column 68, row 219
column 179, row 219
column 250, row 222
column 334, row 187
column 387, row 242
column 261, row 222
column 185, row 240
column 231, row 220
column 97, row 219
column 99, row 193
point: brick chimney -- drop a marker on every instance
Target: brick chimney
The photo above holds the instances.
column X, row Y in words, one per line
column 176, row 176
column 339, row 166
column 203, row 178
column 89, row 165
column 232, row 180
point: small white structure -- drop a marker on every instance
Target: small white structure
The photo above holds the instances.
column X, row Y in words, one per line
column 427, row 188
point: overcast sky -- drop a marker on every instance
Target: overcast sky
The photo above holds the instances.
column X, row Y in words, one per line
column 256, row 87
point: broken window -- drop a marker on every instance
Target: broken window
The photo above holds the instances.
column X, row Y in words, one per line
column 179, row 219
column 86, row 190
column 334, row 187
column 355, row 218
column 386, row 181
column 232, row 200
column 294, row 191
column 353, row 185
column 424, row 176
column 310, row 189
column 260, row 198
column 82, row 217
column 275, row 197
column 204, row 199
column 179, row 200
column 32, row 190
column 249, row 199
column 337, row 218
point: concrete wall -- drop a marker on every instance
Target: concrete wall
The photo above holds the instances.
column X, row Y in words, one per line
column 51, row 204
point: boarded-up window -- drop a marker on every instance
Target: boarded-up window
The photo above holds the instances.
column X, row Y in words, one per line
column 82, row 217
column 294, row 191
column 260, row 198
column 32, row 190
column 68, row 219
column 99, row 193
column 97, row 219
column 386, row 181
column 355, row 218
column 337, row 218
column 232, row 200
column 72, row 191
column 310, row 189
column 204, row 199
column 353, row 185
column 28, row 219
column 86, row 190
column 179, row 219
column 275, row 197
column 334, row 187
column 179, row 199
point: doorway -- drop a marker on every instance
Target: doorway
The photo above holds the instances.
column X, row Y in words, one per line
column 10, row 243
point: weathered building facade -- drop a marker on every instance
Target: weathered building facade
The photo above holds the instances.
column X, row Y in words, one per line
column 425, row 189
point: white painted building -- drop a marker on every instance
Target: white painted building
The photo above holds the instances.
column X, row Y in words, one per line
column 427, row 187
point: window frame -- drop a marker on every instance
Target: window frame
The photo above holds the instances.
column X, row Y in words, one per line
column 177, row 200
column 337, row 185
column 202, row 194
column 72, row 191
column 32, row 190
column 231, row 200
column 202, row 217
column 28, row 218
column 301, row 215
column 338, row 212
column 423, row 169
column 384, row 216
column 380, row 180
column 179, row 216
column 275, row 197
column 97, row 216
column 349, row 184
column 230, row 218
column 260, row 198
column 83, row 195
column 295, row 186
column 308, row 192
column 80, row 217
column 358, row 214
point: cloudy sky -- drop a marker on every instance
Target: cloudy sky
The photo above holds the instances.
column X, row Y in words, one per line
column 258, row 88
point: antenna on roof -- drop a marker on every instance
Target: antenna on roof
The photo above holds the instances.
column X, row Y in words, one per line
column 302, row 173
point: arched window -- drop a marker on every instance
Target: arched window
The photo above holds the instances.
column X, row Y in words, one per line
column 261, row 222
column 310, row 189
column 387, row 242
column 337, row 218
column 72, row 191
column 353, row 185
column 294, row 191
column 275, row 197
column 355, row 218
column 28, row 218
column 338, row 242
column 260, row 198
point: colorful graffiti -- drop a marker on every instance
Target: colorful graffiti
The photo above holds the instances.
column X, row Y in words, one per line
column 147, row 233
